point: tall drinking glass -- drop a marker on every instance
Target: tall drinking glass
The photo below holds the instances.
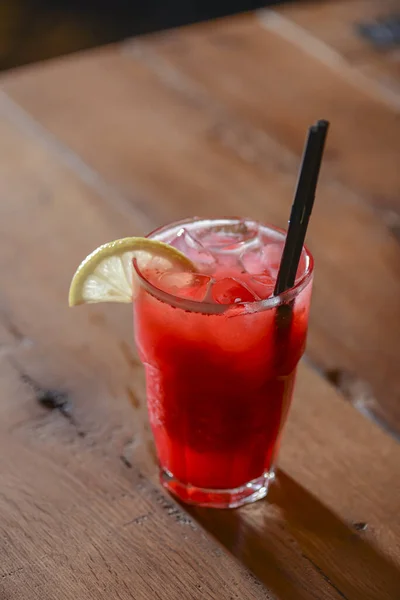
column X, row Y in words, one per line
column 220, row 354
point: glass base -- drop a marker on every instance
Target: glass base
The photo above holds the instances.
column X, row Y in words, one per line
column 250, row 492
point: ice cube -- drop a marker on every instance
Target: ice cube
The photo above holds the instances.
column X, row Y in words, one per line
column 195, row 250
column 271, row 256
column 263, row 260
column 191, row 286
column 230, row 237
column 303, row 263
column 231, row 291
column 263, row 285
column 252, row 261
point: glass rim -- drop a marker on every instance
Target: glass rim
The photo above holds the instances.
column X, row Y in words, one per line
column 214, row 309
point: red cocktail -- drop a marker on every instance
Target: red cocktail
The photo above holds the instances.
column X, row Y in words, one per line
column 220, row 357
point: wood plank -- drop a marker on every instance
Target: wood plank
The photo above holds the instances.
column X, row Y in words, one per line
column 386, row 73
column 330, row 455
column 76, row 521
column 174, row 148
column 324, row 518
column 330, row 33
column 72, row 503
column 76, row 528
column 229, row 58
column 335, row 24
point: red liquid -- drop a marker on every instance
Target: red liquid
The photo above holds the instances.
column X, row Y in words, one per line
column 219, row 388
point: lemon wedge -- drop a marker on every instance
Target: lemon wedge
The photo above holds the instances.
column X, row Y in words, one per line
column 108, row 275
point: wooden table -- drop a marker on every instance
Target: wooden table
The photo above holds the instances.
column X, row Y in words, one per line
column 207, row 120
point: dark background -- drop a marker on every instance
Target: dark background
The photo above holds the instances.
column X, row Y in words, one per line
column 32, row 30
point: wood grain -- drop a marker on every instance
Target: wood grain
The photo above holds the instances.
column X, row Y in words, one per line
column 335, row 24
column 331, row 33
column 76, row 521
column 188, row 92
column 230, row 58
column 113, row 143
column 69, row 500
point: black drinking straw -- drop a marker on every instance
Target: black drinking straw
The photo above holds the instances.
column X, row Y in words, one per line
column 302, row 206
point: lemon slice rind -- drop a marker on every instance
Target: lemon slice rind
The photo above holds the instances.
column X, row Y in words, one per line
column 107, row 274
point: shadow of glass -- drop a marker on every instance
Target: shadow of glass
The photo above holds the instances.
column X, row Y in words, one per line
column 300, row 549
